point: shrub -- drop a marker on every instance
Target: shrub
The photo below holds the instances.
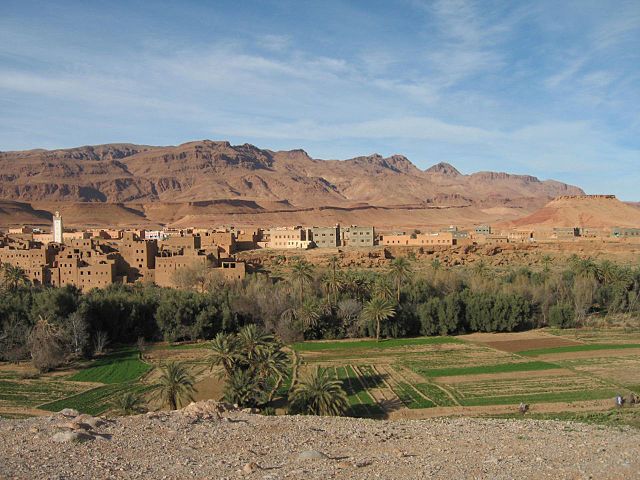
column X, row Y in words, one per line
column 562, row 316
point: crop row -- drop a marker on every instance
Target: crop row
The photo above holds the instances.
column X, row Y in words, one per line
column 95, row 401
column 30, row 393
column 115, row 371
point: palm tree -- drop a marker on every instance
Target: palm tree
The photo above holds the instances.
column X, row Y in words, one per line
column 318, row 394
column 252, row 342
column 13, row 276
column 377, row 310
column 273, row 362
column 382, row 289
column 333, row 281
column 224, row 353
column 301, row 274
column 356, row 284
column 308, row 314
column 175, row 385
column 129, row 403
column 400, row 272
column 242, row 388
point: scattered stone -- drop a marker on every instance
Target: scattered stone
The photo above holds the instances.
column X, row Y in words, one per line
column 65, row 437
column 250, row 468
column 92, row 422
column 69, row 412
column 291, row 447
column 206, row 410
column 311, row 455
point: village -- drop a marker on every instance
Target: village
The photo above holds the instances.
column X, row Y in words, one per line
column 90, row 258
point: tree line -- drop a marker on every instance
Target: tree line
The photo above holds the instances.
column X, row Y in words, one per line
column 312, row 302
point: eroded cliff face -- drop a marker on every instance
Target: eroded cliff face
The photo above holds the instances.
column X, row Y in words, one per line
column 208, row 170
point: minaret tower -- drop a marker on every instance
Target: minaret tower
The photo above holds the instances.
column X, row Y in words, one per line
column 57, row 228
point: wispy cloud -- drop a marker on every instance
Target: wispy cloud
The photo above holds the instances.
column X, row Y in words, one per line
column 527, row 87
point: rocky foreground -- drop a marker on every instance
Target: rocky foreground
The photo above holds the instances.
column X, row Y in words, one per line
column 205, row 440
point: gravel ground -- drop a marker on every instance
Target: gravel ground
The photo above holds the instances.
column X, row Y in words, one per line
column 244, row 445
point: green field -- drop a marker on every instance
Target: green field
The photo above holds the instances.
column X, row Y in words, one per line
column 380, row 378
column 422, row 373
column 361, row 403
column 114, row 374
column 95, row 401
column 112, row 370
column 30, row 393
column 500, row 368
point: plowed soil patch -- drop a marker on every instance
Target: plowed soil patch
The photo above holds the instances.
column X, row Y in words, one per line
column 530, row 344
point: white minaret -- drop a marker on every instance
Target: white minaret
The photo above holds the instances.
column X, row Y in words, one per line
column 57, row 228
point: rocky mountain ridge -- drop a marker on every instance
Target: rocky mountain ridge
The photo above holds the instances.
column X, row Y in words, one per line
column 209, row 170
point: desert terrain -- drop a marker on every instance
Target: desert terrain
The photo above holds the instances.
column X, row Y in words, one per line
column 190, row 444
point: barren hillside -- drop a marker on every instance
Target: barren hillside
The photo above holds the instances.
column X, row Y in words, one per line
column 187, row 445
column 203, row 181
column 588, row 211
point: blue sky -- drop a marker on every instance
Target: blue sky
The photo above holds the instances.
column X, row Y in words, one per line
column 547, row 88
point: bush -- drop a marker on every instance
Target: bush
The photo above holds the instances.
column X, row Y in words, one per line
column 562, row 316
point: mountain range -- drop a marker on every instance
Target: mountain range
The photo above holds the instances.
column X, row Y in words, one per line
column 206, row 181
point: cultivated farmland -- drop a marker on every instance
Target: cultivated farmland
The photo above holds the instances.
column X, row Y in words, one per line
column 479, row 374
column 490, row 373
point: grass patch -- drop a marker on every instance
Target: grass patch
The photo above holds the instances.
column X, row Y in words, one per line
column 578, row 348
column 532, row 398
column 459, row 371
column 372, row 344
column 111, row 370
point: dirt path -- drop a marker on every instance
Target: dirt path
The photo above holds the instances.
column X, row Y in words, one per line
column 9, row 411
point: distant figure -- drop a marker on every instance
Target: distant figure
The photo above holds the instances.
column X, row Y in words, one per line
column 523, row 408
column 633, row 399
column 619, row 401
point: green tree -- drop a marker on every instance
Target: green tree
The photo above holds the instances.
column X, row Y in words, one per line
column 175, row 385
column 254, row 365
column 301, row 275
column 308, row 314
column 13, row 277
column 224, row 353
column 400, row 272
column 561, row 316
column 46, row 345
column 252, row 342
column 242, row 388
column 318, row 394
column 376, row 311
column 333, row 280
column 129, row 403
